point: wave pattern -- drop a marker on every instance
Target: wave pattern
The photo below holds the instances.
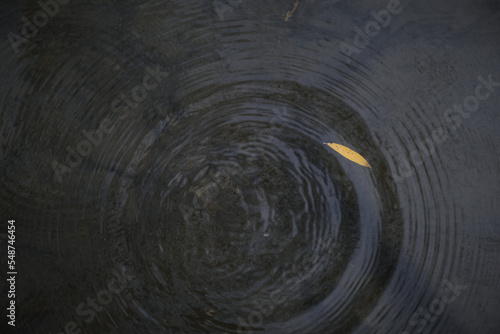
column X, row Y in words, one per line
column 213, row 189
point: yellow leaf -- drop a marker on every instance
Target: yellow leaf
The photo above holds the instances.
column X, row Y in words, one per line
column 349, row 154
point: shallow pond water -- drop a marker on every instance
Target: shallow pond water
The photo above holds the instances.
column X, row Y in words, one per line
column 165, row 167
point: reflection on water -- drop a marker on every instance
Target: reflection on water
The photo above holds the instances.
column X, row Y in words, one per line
column 164, row 162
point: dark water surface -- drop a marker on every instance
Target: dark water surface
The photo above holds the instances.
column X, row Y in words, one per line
column 165, row 167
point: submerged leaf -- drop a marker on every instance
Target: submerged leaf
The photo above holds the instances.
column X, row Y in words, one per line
column 349, row 154
column 290, row 12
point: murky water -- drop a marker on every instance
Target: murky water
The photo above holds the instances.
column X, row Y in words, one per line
column 165, row 165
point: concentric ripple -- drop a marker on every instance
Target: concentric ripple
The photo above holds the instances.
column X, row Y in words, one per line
column 215, row 194
column 239, row 204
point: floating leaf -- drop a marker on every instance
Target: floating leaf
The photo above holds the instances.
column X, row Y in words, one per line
column 349, row 154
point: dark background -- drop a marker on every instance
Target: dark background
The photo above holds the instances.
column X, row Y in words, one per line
column 212, row 193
